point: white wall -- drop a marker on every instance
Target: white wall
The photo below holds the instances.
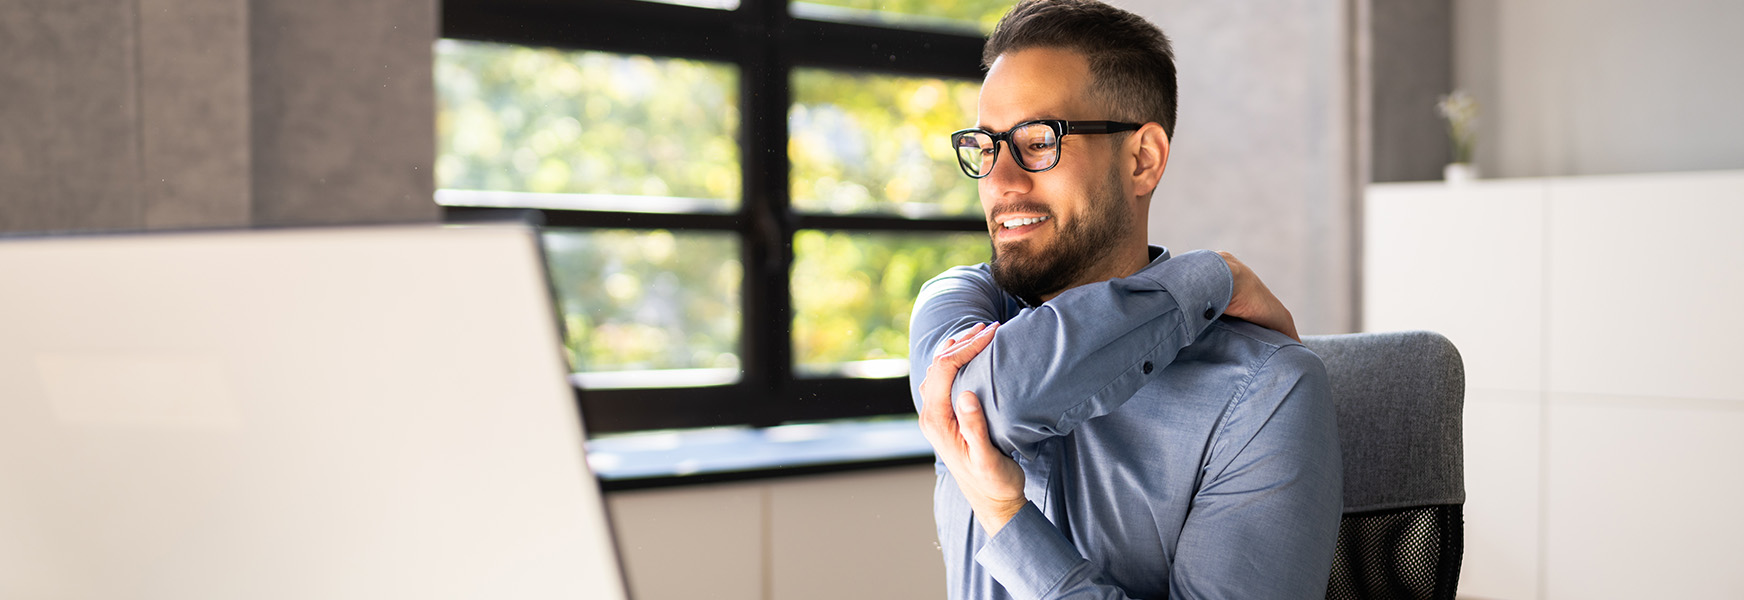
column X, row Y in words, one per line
column 1604, row 419
column 1582, row 87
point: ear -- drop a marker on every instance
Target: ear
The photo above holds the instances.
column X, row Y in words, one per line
column 1150, row 152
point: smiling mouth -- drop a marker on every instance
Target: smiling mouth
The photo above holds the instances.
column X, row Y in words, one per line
column 1016, row 223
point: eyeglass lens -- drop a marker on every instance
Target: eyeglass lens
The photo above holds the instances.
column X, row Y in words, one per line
column 1036, row 145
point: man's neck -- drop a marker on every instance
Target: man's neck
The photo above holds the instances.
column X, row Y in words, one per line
column 1122, row 263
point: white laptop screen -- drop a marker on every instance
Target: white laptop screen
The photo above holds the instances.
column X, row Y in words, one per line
column 375, row 412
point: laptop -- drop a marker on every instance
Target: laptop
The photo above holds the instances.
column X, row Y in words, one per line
column 368, row 412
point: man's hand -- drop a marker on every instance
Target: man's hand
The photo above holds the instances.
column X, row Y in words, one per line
column 1252, row 301
column 990, row 480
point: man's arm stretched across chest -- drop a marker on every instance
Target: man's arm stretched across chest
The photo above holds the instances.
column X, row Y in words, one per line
column 1077, row 356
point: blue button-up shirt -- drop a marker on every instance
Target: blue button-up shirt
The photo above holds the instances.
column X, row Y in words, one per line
column 1167, row 452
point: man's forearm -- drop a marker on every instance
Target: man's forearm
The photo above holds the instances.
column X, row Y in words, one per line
column 1033, row 560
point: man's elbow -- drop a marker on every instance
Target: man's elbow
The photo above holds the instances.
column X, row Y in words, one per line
column 1010, row 427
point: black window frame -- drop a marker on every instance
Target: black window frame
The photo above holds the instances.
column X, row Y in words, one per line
column 766, row 43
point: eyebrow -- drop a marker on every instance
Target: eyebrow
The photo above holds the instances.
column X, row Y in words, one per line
column 1043, row 117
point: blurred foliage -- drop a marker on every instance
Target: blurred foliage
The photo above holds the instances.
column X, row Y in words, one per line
column 976, row 15
column 578, row 122
column 649, row 299
column 853, row 291
column 515, row 118
column 879, row 144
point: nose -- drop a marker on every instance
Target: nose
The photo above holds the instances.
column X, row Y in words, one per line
column 1007, row 178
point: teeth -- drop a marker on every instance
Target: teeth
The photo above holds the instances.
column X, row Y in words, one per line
column 1015, row 223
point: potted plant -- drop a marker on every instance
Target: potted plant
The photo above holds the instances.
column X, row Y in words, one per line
column 1461, row 112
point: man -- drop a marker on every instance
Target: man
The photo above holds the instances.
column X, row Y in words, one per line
column 1114, row 433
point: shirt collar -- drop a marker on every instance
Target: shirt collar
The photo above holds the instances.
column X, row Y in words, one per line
column 1158, row 255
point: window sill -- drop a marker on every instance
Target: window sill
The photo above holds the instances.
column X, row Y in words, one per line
column 699, row 456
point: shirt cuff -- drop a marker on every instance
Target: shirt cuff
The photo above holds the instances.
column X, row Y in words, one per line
column 1201, row 284
column 1029, row 556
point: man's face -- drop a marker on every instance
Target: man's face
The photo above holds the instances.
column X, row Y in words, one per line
column 1051, row 230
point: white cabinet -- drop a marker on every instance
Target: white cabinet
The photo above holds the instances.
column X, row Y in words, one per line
column 1600, row 320
column 703, row 541
column 854, row 535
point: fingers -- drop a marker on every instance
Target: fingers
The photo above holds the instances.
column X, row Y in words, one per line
column 962, row 340
column 966, row 346
column 1252, row 301
column 936, row 417
column 972, row 422
column 1241, row 294
column 939, row 421
column 1234, row 263
column 952, row 341
column 943, row 370
column 945, row 347
column 970, row 332
column 965, row 334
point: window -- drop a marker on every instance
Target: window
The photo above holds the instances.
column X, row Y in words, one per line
column 740, row 198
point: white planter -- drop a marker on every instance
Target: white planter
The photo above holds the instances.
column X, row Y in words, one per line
column 1458, row 173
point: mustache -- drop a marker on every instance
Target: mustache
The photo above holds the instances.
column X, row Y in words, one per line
column 1028, row 206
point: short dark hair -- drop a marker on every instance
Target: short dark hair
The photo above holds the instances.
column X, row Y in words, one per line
column 1132, row 68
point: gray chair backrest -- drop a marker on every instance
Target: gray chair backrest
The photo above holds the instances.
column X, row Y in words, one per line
column 1399, row 397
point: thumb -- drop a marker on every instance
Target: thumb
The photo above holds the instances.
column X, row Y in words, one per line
column 972, row 422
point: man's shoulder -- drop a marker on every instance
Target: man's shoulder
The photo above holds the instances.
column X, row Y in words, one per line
column 974, row 279
column 1227, row 366
column 975, row 272
column 976, row 275
column 953, row 300
column 1271, row 352
column 1277, row 385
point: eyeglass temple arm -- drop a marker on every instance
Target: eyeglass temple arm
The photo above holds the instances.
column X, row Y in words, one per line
column 1100, row 126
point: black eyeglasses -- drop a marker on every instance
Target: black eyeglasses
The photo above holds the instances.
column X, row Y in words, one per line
column 1035, row 144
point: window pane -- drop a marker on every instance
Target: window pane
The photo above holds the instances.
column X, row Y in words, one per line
column 976, row 16
column 853, row 291
column 877, row 144
column 546, row 128
column 648, row 308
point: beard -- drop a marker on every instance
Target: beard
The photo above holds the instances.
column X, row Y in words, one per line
column 1030, row 269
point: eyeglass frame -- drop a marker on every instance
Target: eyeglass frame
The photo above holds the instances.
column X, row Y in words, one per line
column 1061, row 128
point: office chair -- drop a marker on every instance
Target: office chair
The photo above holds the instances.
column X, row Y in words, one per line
column 1399, row 398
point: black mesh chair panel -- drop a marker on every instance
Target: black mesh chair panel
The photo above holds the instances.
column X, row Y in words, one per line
column 1405, row 554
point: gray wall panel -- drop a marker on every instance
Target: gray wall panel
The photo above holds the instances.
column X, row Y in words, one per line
column 130, row 114
column 194, row 104
column 69, row 144
column 1580, row 87
column 1263, row 158
column 345, row 118
column 1411, row 67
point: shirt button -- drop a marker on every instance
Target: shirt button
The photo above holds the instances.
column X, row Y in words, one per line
column 1210, row 312
column 1147, row 367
